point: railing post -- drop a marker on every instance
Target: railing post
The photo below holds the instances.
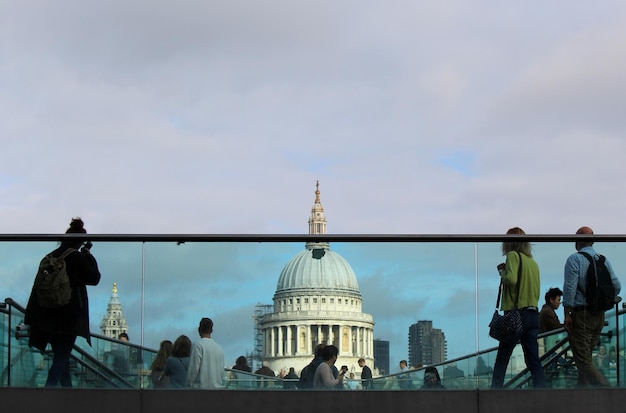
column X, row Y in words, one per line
column 9, row 344
column 617, row 370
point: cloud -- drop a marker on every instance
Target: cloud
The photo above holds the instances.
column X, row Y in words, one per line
column 219, row 117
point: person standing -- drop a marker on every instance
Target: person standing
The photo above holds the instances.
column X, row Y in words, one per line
column 308, row 372
column 157, row 369
column 583, row 325
column 177, row 364
column 366, row 374
column 521, row 293
column 548, row 320
column 60, row 326
column 324, row 377
column 266, row 371
column 404, row 380
column 290, row 379
column 206, row 365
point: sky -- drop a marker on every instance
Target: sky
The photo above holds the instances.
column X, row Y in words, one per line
column 220, row 116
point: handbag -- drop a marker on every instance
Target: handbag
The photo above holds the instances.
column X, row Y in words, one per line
column 508, row 328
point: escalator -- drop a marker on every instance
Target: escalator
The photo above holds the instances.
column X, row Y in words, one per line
column 108, row 363
column 474, row 371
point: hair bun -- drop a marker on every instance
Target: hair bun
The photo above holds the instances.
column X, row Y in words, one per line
column 76, row 226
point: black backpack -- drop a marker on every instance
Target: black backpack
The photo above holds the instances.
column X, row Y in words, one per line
column 600, row 292
column 52, row 284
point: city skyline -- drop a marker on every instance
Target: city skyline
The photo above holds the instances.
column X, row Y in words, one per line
column 212, row 118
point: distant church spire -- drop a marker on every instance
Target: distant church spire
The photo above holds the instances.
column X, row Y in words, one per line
column 114, row 322
column 317, row 221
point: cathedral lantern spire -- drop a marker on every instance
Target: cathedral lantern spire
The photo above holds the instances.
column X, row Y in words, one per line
column 317, row 221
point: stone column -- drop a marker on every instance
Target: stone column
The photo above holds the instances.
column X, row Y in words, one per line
column 319, row 335
column 309, row 349
column 289, row 335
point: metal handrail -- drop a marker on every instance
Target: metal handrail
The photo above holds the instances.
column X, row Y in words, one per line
column 181, row 238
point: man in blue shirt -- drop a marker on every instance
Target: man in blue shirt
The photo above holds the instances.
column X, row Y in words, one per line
column 584, row 326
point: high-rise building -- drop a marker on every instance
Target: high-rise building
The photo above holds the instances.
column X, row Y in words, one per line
column 381, row 355
column 427, row 345
column 317, row 300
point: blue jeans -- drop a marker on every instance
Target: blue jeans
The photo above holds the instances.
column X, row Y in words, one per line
column 62, row 345
column 530, row 323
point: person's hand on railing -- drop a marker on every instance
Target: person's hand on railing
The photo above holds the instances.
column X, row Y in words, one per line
column 567, row 323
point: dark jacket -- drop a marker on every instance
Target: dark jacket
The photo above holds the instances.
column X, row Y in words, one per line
column 265, row 371
column 308, row 373
column 366, row 377
column 548, row 320
column 72, row 319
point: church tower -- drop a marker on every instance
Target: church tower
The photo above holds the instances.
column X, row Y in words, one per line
column 317, row 300
column 114, row 322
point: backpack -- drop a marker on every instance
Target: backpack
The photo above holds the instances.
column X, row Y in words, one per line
column 600, row 292
column 52, row 284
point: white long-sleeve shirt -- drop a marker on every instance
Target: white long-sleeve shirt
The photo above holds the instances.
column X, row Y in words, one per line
column 324, row 377
column 206, row 365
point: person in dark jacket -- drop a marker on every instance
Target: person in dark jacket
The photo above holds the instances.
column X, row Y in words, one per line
column 366, row 374
column 60, row 326
column 308, row 372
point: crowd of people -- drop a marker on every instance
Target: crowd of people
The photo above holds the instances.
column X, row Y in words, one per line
column 57, row 319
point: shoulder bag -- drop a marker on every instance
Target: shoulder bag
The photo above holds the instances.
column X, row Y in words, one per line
column 508, row 328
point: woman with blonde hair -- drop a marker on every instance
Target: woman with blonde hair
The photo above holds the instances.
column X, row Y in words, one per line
column 520, row 292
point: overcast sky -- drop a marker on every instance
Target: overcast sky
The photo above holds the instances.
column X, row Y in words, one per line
column 219, row 117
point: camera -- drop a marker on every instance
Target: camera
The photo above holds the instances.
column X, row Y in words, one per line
column 344, row 368
column 22, row 330
column 87, row 245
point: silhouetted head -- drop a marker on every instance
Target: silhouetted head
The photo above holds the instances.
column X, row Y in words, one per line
column 330, row 352
column 77, row 226
column 205, row 327
column 552, row 296
column 318, row 349
column 519, row 246
column 182, row 347
column 584, row 231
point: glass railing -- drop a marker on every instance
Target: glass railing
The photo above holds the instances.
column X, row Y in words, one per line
column 166, row 283
column 107, row 363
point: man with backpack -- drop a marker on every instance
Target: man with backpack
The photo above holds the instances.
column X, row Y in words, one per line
column 58, row 307
column 590, row 288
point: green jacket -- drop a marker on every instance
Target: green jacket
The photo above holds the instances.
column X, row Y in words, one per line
column 529, row 287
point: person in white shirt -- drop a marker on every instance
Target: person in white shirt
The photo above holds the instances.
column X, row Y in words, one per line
column 206, row 364
column 324, row 377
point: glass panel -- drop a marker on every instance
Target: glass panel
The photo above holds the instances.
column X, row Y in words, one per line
column 159, row 291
